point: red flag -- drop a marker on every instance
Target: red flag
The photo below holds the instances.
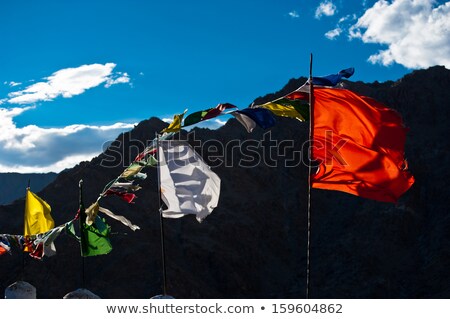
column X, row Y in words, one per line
column 218, row 110
column 359, row 143
column 128, row 197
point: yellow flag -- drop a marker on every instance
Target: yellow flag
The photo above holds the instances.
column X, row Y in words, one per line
column 283, row 110
column 175, row 126
column 37, row 215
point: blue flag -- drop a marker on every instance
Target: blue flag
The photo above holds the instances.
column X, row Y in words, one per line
column 250, row 117
column 333, row 79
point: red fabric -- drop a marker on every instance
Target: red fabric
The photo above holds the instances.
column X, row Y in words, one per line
column 128, row 197
column 38, row 252
column 297, row 95
column 359, row 143
column 3, row 250
column 217, row 110
column 142, row 155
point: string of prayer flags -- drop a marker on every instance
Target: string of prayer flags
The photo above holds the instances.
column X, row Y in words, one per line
column 294, row 105
column 199, row 116
column 251, row 117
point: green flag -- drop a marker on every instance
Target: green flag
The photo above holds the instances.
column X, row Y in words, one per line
column 95, row 237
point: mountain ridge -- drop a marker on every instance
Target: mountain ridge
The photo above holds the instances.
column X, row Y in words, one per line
column 13, row 185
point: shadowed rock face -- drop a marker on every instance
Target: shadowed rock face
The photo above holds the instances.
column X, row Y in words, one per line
column 12, row 185
column 254, row 244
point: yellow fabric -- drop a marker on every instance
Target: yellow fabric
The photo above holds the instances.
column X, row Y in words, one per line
column 37, row 215
column 175, row 126
column 283, row 110
column 91, row 213
column 131, row 170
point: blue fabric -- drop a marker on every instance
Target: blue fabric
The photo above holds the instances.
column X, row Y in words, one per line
column 333, row 79
column 262, row 117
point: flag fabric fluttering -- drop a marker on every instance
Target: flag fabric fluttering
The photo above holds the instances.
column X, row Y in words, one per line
column 94, row 238
column 188, row 185
column 294, row 105
column 175, row 126
column 128, row 197
column 37, row 215
column 199, row 116
column 359, row 144
column 5, row 246
column 251, row 117
column 333, row 79
column 44, row 243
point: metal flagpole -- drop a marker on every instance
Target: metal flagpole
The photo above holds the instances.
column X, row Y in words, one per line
column 161, row 219
column 311, row 117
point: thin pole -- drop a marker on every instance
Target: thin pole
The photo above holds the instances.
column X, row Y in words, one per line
column 311, row 117
column 161, row 220
column 81, row 222
column 23, row 254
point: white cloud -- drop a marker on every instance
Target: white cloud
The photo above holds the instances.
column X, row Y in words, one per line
column 220, row 122
column 35, row 149
column 294, row 14
column 121, row 78
column 333, row 34
column 12, row 83
column 326, row 8
column 417, row 33
column 67, row 162
column 69, row 82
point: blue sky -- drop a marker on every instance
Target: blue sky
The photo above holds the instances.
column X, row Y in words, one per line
column 73, row 75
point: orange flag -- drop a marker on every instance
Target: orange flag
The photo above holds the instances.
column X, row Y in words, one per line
column 359, row 144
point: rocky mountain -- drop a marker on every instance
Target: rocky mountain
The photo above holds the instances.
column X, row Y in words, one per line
column 254, row 244
column 12, row 185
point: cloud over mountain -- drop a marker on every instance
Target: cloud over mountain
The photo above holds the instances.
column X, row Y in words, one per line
column 416, row 33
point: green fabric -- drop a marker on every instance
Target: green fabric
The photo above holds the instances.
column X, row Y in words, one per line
column 95, row 237
column 195, row 117
column 70, row 230
column 300, row 106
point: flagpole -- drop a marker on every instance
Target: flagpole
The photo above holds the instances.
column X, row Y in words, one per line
column 80, row 216
column 23, row 255
column 311, row 117
column 161, row 220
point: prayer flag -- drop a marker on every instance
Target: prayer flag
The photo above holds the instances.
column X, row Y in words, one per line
column 295, row 105
column 175, row 126
column 94, row 238
column 37, row 215
column 199, row 116
column 188, row 185
column 359, row 143
column 250, row 117
column 333, row 79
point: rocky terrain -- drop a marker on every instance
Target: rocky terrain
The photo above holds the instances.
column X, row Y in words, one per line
column 254, row 244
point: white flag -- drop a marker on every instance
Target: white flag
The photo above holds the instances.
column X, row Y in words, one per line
column 188, row 185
